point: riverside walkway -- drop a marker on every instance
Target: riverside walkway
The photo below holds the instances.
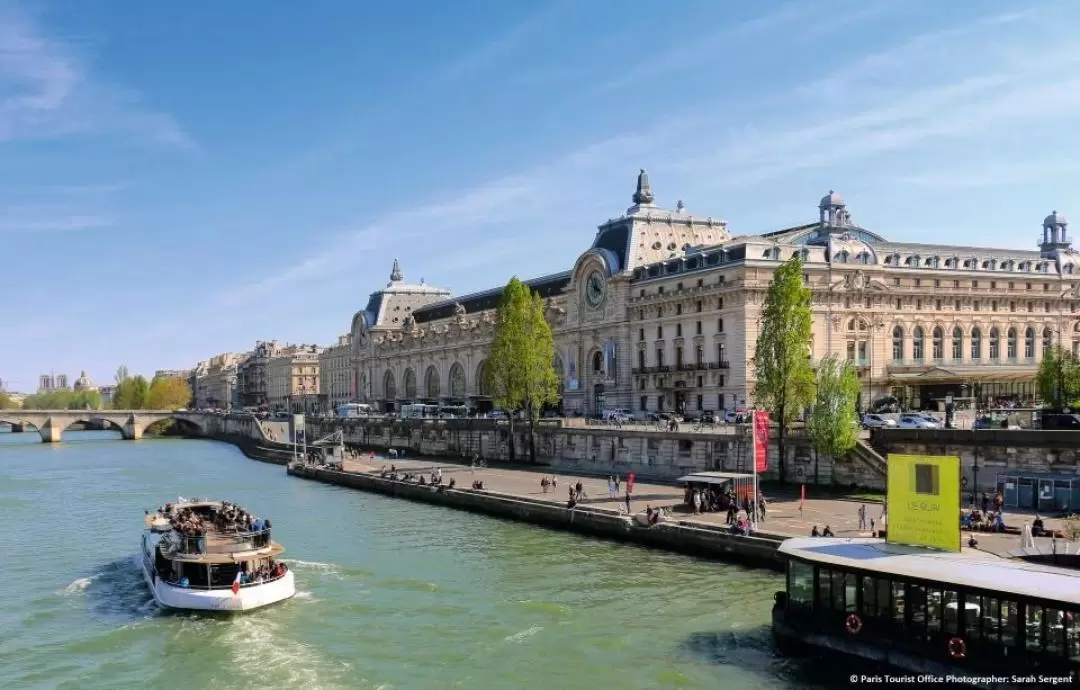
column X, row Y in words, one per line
column 783, row 516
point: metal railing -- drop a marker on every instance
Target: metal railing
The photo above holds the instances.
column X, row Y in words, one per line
column 219, row 542
column 209, row 587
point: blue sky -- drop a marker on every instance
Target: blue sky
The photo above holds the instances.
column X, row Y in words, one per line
column 181, row 179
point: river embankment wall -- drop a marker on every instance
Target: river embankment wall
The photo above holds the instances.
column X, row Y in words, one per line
column 682, row 537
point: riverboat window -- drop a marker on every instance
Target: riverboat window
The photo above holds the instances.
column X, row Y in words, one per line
column 1033, row 627
column 899, row 596
column 801, row 583
column 934, row 604
column 916, row 610
column 1072, row 636
column 824, row 594
column 952, row 612
column 1045, row 629
column 1009, row 616
column 987, row 624
column 836, row 590
column 875, row 595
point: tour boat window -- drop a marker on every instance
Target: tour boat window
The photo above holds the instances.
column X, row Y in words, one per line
column 952, row 612
column 986, row 623
column 824, row 595
column 801, row 583
column 1072, row 635
column 935, row 599
column 1033, row 627
column 840, row 584
column 1009, row 620
column 1054, row 630
column 899, row 597
column 876, row 592
column 916, row 608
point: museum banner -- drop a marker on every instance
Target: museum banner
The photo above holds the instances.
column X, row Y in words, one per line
column 761, row 441
column 923, row 501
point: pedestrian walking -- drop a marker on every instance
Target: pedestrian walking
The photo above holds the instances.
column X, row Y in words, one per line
column 862, row 516
column 627, row 502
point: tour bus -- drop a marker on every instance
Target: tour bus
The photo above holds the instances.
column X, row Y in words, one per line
column 419, row 411
column 353, row 410
column 453, row 411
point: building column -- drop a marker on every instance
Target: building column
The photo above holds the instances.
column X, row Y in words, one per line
column 50, row 431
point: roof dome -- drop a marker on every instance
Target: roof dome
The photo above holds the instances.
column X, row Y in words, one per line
column 83, row 382
column 831, row 199
column 1055, row 218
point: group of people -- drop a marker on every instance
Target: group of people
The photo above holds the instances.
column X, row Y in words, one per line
column 190, row 526
column 714, row 499
column 265, row 573
column 827, row 532
column 546, row 483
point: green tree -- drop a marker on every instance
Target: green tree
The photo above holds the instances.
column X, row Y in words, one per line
column 833, row 426
column 131, row 394
column 168, row 393
column 1058, row 378
column 121, row 374
column 520, row 370
column 6, row 402
column 785, row 379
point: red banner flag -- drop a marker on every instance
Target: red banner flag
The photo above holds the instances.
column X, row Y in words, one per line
column 630, row 483
column 761, row 440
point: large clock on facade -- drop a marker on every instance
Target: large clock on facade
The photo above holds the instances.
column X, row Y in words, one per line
column 594, row 289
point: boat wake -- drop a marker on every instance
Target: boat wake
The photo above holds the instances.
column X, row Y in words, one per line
column 260, row 648
column 297, row 564
column 521, row 636
column 118, row 591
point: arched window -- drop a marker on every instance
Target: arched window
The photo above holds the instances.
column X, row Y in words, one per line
column 917, row 344
column 842, row 257
column 938, row 345
column 598, row 361
column 1048, row 341
column 1011, row 335
column 976, row 343
column 857, row 345
column 957, row 344
column 1029, row 343
column 432, row 387
column 897, row 344
column 995, row 344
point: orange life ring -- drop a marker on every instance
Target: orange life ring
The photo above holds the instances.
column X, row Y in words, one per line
column 853, row 624
column 957, row 648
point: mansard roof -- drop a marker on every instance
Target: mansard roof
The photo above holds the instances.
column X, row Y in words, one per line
column 547, row 286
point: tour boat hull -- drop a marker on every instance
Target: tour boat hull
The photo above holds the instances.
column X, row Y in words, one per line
column 248, row 598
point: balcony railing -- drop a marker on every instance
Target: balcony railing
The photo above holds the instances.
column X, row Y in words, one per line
column 685, row 366
column 965, row 361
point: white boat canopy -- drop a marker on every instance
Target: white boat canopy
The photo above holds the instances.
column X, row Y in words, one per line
column 714, row 477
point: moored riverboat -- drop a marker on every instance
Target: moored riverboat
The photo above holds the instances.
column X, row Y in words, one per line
column 205, row 555
column 970, row 617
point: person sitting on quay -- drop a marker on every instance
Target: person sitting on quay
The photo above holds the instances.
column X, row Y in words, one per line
column 1037, row 527
column 451, row 483
column 828, row 532
column 814, row 532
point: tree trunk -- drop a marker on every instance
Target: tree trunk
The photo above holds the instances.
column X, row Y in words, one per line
column 816, row 455
column 781, row 438
column 510, row 443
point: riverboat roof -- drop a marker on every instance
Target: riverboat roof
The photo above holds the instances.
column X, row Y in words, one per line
column 713, row 477
column 968, row 568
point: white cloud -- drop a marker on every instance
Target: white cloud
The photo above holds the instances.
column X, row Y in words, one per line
column 47, row 91
column 68, row 223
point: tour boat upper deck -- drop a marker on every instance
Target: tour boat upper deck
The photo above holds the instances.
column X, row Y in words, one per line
column 213, row 555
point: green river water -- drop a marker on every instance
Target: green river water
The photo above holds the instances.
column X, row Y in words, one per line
column 391, row 594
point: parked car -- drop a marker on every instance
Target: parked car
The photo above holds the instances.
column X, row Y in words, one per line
column 876, row 421
column 709, row 417
column 917, row 421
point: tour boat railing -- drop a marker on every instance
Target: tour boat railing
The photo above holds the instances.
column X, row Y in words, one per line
column 219, row 542
column 243, row 585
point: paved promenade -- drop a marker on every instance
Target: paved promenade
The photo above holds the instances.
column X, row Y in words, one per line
column 783, row 514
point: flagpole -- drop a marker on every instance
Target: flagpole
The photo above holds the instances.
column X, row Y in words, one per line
column 753, row 499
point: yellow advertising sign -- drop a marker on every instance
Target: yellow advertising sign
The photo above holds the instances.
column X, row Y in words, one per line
column 923, row 494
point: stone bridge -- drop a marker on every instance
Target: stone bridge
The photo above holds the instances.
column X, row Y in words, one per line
column 131, row 423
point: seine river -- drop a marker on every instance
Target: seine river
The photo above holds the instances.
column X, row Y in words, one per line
column 391, row 594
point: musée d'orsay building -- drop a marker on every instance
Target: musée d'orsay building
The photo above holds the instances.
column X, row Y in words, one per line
column 662, row 312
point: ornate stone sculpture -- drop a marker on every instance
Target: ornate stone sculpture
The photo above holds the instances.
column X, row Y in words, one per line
column 459, row 310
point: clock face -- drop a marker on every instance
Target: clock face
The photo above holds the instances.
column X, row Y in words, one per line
column 594, row 289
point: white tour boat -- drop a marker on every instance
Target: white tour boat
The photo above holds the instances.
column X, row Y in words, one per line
column 212, row 556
